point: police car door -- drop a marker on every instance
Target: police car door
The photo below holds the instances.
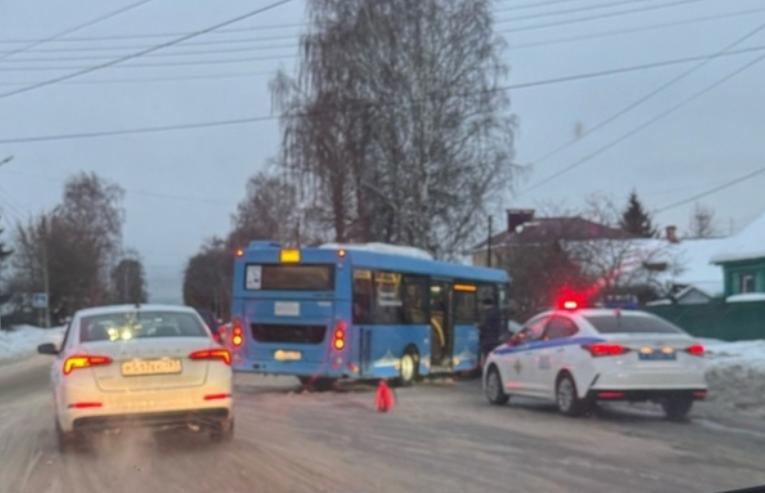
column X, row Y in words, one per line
column 550, row 356
column 518, row 367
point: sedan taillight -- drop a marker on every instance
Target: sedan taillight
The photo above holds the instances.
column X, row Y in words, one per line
column 600, row 349
column 695, row 350
column 79, row 361
column 212, row 354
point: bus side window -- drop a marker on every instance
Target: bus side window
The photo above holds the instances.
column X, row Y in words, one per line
column 415, row 300
column 465, row 307
column 388, row 305
column 362, row 296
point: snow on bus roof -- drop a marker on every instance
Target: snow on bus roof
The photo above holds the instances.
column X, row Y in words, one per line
column 381, row 248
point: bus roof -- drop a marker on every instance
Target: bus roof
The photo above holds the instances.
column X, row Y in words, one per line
column 268, row 252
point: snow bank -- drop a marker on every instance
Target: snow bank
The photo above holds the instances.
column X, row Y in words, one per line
column 23, row 341
column 736, row 375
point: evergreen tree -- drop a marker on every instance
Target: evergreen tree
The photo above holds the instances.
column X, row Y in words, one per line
column 636, row 220
column 4, row 254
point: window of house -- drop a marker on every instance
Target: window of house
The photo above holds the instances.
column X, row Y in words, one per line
column 746, row 283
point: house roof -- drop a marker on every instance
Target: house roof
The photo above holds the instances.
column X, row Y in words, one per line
column 554, row 228
column 693, row 257
column 748, row 244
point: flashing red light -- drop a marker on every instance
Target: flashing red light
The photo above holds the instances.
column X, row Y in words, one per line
column 212, row 354
column 85, row 405
column 237, row 336
column 695, row 350
column 598, row 350
column 338, row 339
column 79, row 361
column 570, row 305
column 215, row 397
column 609, row 394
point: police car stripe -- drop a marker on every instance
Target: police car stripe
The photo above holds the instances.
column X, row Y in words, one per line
column 534, row 345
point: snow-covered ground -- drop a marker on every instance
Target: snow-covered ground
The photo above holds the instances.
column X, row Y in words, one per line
column 736, row 375
column 22, row 342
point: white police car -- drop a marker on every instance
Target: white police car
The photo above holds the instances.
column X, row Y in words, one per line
column 577, row 356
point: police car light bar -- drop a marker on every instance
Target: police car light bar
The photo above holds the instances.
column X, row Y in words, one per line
column 570, row 305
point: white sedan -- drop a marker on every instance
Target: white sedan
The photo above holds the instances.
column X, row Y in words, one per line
column 577, row 357
column 147, row 366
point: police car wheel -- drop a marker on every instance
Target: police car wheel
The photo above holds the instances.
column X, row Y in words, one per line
column 566, row 397
column 494, row 390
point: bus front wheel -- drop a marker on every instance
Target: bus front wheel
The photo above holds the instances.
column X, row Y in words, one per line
column 408, row 369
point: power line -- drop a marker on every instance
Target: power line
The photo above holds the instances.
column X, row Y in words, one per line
column 76, row 28
column 674, row 80
column 146, row 51
column 533, row 5
column 642, row 126
column 712, row 190
column 254, row 119
column 186, row 63
column 665, row 63
column 152, row 55
column 601, row 16
column 617, row 32
column 144, row 80
column 575, row 10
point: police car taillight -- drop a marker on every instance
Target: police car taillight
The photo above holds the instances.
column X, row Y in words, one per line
column 599, row 349
column 695, row 350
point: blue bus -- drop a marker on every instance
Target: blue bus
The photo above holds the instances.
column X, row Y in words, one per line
column 357, row 312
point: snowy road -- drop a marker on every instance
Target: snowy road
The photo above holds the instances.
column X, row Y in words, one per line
column 442, row 437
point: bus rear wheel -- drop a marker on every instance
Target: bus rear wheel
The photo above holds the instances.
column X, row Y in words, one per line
column 407, row 372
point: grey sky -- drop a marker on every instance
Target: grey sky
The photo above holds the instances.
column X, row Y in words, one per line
column 710, row 141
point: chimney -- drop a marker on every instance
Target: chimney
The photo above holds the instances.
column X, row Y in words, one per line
column 516, row 217
column 671, row 233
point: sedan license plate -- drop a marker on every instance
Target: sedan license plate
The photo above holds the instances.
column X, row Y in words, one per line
column 656, row 355
column 138, row 367
column 282, row 355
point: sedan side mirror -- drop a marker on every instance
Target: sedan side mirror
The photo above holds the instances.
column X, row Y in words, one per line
column 47, row 348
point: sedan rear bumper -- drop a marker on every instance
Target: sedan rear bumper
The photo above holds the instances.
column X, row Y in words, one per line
column 204, row 418
column 633, row 395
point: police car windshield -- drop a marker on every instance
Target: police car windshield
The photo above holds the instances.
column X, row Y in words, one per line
column 618, row 323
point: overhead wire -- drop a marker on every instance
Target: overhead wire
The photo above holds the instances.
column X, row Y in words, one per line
column 715, row 189
column 253, row 119
column 146, row 51
column 672, row 109
column 78, row 27
column 647, row 96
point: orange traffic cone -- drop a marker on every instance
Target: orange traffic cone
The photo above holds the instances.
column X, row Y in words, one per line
column 385, row 400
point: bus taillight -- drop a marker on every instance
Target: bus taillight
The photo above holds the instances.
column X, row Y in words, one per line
column 338, row 339
column 237, row 336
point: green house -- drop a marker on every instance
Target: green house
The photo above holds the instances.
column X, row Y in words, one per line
column 743, row 260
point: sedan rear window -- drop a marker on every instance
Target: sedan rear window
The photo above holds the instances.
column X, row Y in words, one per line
column 140, row 325
column 619, row 323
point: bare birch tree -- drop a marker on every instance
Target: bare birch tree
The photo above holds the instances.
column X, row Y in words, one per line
column 396, row 124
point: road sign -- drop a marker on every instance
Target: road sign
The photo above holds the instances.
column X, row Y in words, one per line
column 40, row 300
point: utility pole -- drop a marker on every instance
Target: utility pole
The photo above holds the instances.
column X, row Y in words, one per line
column 4, row 161
column 488, row 242
column 46, row 280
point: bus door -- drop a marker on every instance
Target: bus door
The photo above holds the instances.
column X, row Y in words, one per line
column 441, row 324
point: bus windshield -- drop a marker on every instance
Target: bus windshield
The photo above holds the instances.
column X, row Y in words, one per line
column 283, row 277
